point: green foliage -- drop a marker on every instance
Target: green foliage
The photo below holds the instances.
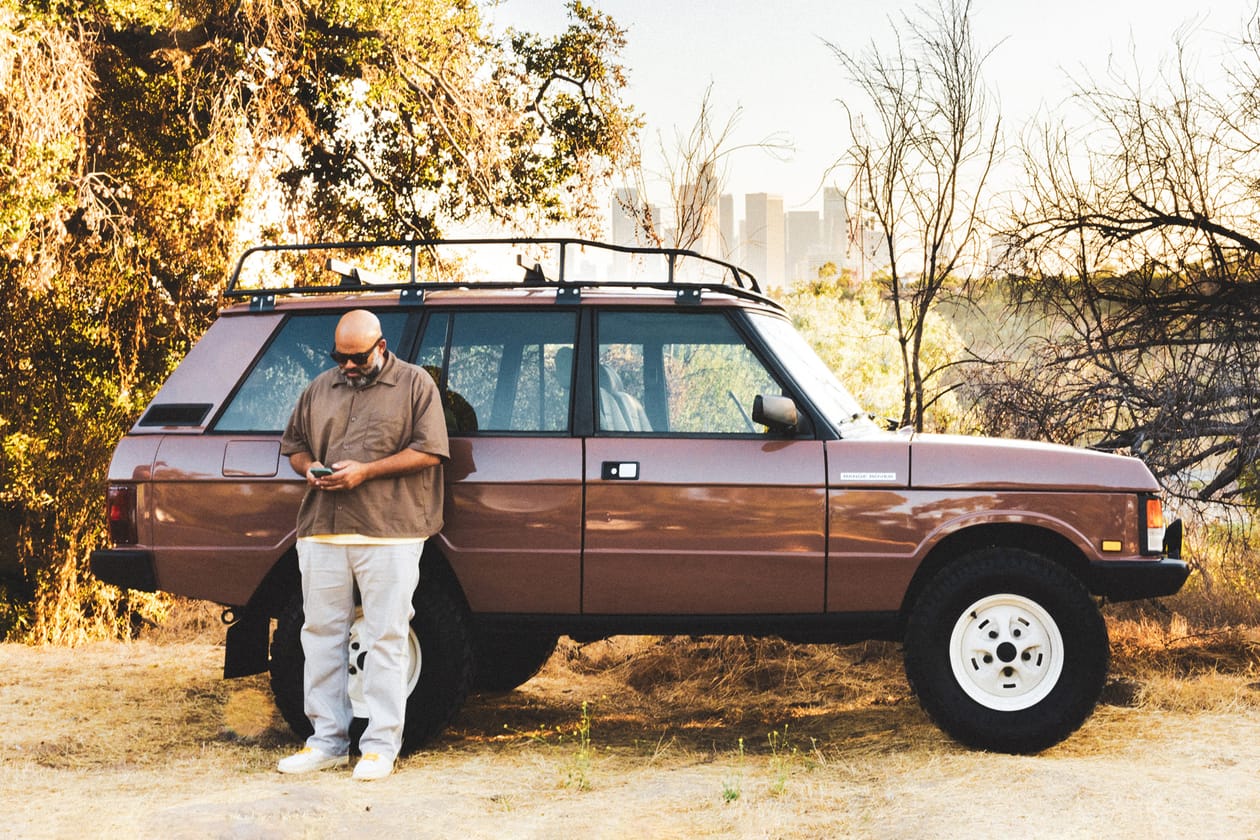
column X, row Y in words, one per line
column 579, row 776
column 143, row 143
column 429, row 120
column 732, row 786
column 851, row 327
column 783, row 755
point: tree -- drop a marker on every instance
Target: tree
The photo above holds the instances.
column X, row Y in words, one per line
column 142, row 142
column 695, row 173
column 1142, row 248
column 851, row 330
column 920, row 172
column 453, row 125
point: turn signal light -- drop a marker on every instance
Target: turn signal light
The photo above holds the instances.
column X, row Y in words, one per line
column 1154, row 543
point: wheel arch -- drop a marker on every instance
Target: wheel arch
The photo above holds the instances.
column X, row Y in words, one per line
column 277, row 585
column 1036, row 539
column 435, row 567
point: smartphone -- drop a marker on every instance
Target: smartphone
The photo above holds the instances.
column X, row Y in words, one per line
column 321, row 472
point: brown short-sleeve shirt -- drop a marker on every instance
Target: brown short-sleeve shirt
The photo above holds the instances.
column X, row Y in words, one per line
column 335, row 421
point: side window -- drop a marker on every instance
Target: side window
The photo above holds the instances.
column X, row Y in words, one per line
column 297, row 354
column 678, row 373
column 503, row 371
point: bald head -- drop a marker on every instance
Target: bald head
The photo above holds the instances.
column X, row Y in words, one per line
column 357, row 330
column 359, row 348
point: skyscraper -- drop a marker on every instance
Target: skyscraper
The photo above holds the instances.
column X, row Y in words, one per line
column 696, row 213
column 764, row 252
column 804, row 245
column 625, row 226
column 727, row 229
column 835, row 233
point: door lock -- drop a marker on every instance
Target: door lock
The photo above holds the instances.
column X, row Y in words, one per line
column 620, row 471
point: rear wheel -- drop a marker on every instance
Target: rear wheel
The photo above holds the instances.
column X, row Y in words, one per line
column 440, row 663
column 1006, row 651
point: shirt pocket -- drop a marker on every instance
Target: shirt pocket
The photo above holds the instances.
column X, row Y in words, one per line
column 385, row 433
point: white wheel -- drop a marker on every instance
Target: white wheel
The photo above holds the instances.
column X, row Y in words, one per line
column 358, row 660
column 1006, row 652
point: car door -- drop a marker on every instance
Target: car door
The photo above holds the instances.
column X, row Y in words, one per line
column 691, row 507
column 513, row 521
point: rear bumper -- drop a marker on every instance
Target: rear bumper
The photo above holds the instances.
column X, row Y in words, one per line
column 127, row 568
column 1130, row 580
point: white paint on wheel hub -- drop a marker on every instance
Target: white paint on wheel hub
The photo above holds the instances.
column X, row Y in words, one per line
column 359, row 661
column 1006, row 652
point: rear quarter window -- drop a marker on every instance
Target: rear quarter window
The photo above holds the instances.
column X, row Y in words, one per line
column 296, row 355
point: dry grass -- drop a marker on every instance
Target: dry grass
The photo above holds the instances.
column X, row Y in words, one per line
column 1174, row 668
column 686, row 738
column 708, row 693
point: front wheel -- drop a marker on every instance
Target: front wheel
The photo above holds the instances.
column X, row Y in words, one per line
column 439, row 669
column 1006, row 651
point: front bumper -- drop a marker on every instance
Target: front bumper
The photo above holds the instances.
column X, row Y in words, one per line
column 1131, row 580
column 127, row 568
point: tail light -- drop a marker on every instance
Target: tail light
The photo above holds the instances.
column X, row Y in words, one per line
column 121, row 506
column 1152, row 525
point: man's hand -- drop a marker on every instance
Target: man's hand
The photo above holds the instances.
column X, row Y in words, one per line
column 346, row 475
column 302, row 464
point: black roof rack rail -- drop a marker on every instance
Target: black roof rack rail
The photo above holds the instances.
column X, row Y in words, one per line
column 735, row 280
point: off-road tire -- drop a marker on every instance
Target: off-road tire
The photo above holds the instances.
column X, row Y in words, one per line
column 508, row 658
column 1007, row 651
column 441, row 625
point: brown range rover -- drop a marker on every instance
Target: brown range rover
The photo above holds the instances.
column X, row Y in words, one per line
column 658, row 452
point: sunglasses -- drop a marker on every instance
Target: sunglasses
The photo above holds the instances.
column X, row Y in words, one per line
column 358, row 358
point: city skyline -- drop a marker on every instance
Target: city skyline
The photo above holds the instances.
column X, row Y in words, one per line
column 787, row 84
column 777, row 246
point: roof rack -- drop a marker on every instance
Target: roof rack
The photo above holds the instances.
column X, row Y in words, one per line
column 302, row 262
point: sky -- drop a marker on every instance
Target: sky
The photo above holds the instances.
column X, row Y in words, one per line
column 769, row 66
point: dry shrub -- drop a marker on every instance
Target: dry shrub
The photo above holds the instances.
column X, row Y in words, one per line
column 728, row 668
column 1177, row 667
column 713, row 694
column 1146, row 645
column 185, row 620
column 1224, row 587
column 718, row 689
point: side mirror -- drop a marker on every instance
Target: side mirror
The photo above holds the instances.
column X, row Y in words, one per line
column 775, row 413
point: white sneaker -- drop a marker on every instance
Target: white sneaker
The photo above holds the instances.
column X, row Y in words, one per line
column 309, row 759
column 373, row 766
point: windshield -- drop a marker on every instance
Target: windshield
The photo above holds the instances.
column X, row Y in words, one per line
column 812, row 374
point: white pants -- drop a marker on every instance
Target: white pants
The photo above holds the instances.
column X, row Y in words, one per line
column 387, row 576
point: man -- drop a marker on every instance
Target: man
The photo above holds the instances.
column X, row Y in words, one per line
column 370, row 437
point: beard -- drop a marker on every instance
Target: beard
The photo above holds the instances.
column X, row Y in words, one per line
column 365, row 377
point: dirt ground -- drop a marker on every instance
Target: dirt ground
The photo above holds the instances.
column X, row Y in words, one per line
column 731, row 739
